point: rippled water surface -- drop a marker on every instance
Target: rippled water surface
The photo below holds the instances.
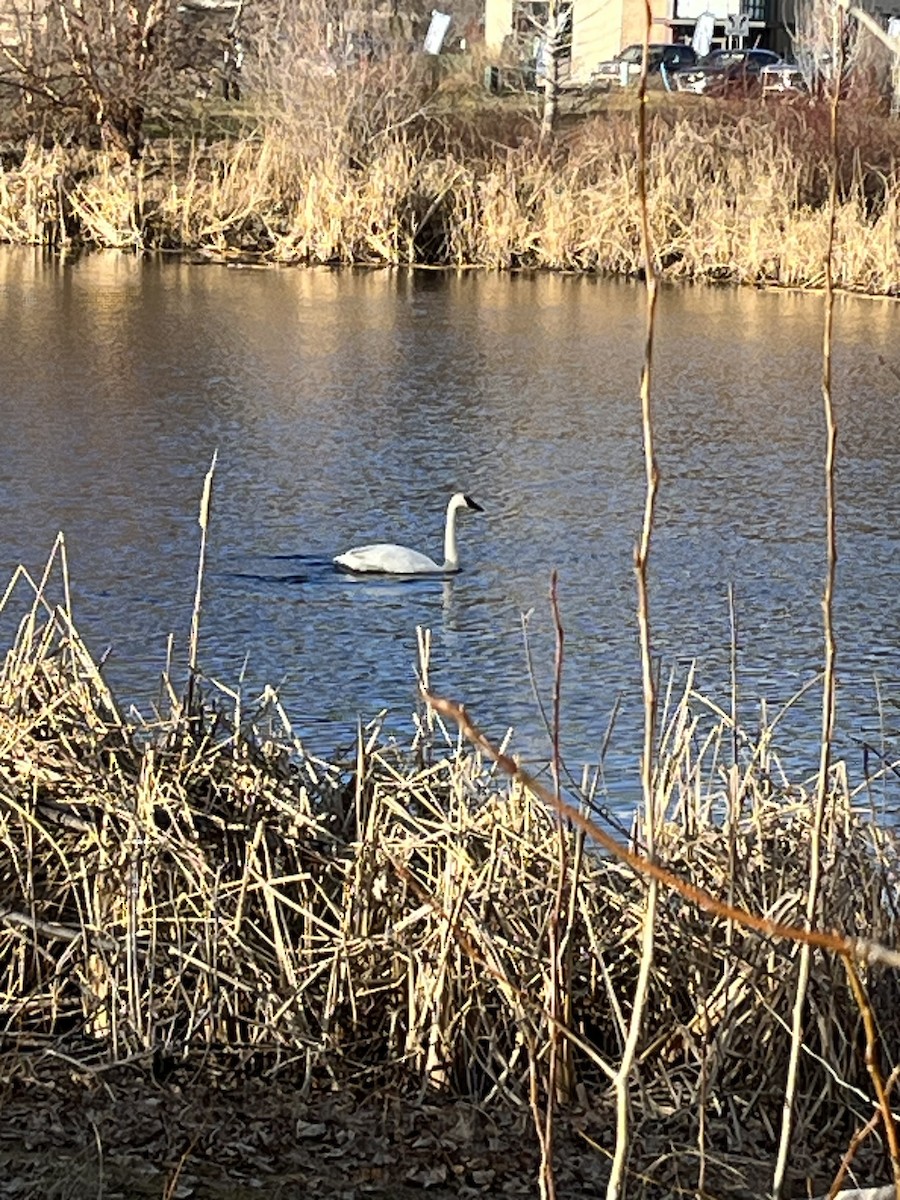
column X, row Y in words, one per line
column 347, row 406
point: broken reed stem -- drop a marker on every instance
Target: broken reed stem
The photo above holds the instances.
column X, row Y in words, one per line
column 557, row 677
column 203, row 520
column 641, row 560
column 830, row 648
column 732, row 668
column 859, row 1137
column 847, row 1161
column 562, row 913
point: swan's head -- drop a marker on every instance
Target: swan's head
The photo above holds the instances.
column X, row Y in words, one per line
column 461, row 500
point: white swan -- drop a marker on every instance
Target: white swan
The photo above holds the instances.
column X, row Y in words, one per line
column 384, row 558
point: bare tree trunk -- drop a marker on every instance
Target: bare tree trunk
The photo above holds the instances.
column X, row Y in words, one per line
column 552, row 51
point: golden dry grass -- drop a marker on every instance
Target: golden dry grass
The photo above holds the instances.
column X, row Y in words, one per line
column 734, row 195
column 198, row 889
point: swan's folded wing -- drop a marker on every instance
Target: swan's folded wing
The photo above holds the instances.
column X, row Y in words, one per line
column 384, row 558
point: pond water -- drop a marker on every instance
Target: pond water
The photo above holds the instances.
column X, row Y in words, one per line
column 346, row 406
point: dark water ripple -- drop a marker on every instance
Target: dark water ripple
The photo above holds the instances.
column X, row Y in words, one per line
column 346, row 406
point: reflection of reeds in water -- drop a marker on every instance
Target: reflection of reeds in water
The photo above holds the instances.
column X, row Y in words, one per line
column 197, row 886
column 730, row 197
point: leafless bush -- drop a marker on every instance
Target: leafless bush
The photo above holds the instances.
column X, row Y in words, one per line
column 340, row 83
column 91, row 68
column 823, row 46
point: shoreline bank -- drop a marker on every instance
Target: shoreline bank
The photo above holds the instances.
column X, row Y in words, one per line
column 733, row 198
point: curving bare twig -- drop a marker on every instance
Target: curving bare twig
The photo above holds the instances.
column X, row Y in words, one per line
column 861, row 949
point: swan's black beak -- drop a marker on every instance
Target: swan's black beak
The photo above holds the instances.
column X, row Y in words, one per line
column 471, row 504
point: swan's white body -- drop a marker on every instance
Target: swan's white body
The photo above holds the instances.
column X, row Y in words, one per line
column 385, row 558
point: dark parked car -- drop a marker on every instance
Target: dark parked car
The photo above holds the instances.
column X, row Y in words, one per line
column 723, row 71
column 626, row 66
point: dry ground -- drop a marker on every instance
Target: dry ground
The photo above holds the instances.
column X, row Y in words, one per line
column 80, row 1133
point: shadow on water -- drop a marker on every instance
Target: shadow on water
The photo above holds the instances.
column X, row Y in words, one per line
column 321, row 572
column 311, row 568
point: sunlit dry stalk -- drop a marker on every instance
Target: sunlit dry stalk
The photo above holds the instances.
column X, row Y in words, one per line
column 557, row 1072
column 641, row 561
column 170, row 1187
column 861, row 1134
column 874, row 1069
column 830, row 648
column 203, row 520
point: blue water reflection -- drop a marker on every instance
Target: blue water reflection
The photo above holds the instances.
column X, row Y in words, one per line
column 347, row 406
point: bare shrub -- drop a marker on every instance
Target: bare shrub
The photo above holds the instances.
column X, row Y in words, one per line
column 83, row 65
column 339, row 81
column 865, row 61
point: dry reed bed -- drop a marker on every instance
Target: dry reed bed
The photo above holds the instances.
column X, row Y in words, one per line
column 737, row 197
column 199, row 887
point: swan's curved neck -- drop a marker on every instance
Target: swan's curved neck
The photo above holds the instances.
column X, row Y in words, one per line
column 451, row 553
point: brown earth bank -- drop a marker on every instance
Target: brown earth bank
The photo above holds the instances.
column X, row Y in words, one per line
column 69, row 1130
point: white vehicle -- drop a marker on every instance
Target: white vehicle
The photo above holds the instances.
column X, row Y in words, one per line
column 782, row 77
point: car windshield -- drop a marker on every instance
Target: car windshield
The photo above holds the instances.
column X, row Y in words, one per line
column 724, row 58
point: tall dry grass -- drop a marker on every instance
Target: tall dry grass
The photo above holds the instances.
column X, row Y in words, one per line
column 196, row 889
column 733, row 195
